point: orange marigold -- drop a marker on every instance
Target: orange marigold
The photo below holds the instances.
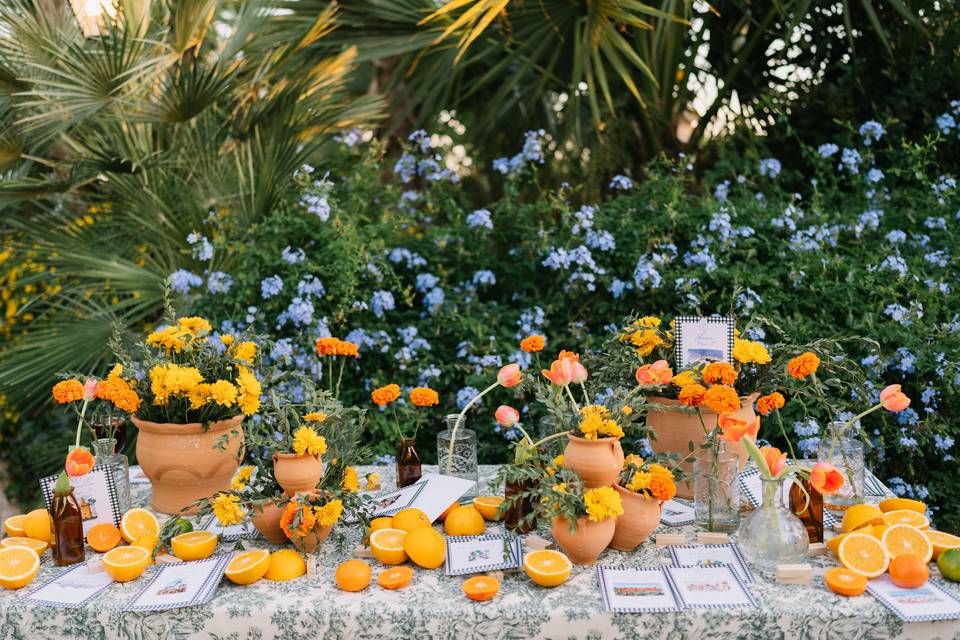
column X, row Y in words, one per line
column 68, row 391
column 721, row 398
column 297, row 520
column 569, row 354
column 424, row 397
column 532, row 344
column 803, row 365
column 327, row 346
column 382, row 396
column 692, row 394
column 662, row 486
column 770, row 403
column 345, row 348
column 118, row 392
column 721, row 372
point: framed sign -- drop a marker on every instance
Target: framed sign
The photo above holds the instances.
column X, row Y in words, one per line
column 96, row 494
column 703, row 340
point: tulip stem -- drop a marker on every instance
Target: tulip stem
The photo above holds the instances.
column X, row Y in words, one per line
column 583, row 388
column 83, row 411
column 576, row 409
column 456, row 425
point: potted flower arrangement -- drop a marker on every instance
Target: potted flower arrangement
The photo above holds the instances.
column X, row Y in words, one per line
column 643, row 488
column 296, row 447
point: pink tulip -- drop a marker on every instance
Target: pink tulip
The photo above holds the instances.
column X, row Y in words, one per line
column 507, row 416
column 579, row 372
column 656, row 374
column 825, row 478
column 510, row 376
column 89, row 389
column 775, row 460
column 893, row 399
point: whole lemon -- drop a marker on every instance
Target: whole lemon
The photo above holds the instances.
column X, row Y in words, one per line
column 39, row 525
column 464, row 521
column 426, row 547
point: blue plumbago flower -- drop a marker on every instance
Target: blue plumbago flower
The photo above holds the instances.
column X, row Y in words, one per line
column 904, row 360
column 937, row 222
column 533, row 145
column 530, row 322
column 702, row 258
column 828, row 149
column 587, row 279
column 933, row 285
column 202, row 249
column 465, row 395
column 412, row 260
column 219, row 282
column 282, row 349
column 942, row 442
column 621, row 183
column 502, row 165
column 408, row 199
column 943, row 185
column 868, row 220
column 584, row 219
column 299, row 312
column 938, row 258
column 645, row 275
column 899, row 313
column 385, row 459
column 311, row 286
column 182, row 280
column 946, row 123
column 434, row 299
column 921, row 239
column 893, row 263
column 896, row 237
column 850, row 160
column 484, row 277
column 422, row 139
column 480, row 219
column 600, row 240
column 722, row 191
column 303, row 170
column 380, row 302
column 929, row 397
column 426, row 281
column 755, row 333
column 293, row 256
column 406, row 167
column 871, row 130
column 688, row 288
column 871, row 361
column 317, row 205
column 770, row 167
column 271, row 286
column 427, row 374
column 352, row 137
column 747, row 300
column 874, row 175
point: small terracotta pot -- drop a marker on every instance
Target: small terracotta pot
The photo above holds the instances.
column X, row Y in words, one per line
column 641, row 516
column 675, row 430
column 182, row 463
column 310, row 542
column 297, row 474
column 266, row 520
column 589, row 541
column 597, row 462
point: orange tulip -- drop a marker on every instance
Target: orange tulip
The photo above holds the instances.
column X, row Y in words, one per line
column 561, row 371
column 775, row 460
column 733, row 428
column 656, row 374
column 579, row 372
column 893, row 399
column 825, row 478
column 506, row 416
column 510, row 376
column 79, row 462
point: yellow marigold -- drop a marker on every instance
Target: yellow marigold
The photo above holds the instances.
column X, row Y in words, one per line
column 721, row 398
column 170, row 339
column 350, row 480
column 327, row 346
column 593, row 425
column 557, row 463
column 242, row 477
column 594, row 410
column 315, row 416
column 68, row 391
column 382, row 396
column 424, row 397
column 118, row 392
column 199, row 395
column 602, row 503
column 297, row 520
column 770, row 403
column 228, row 510
column 373, row 481
column 116, row 372
column 645, row 341
column 612, row 429
column 750, row 352
column 721, row 372
column 692, row 395
column 647, row 321
column 306, row 441
column 627, row 410
column 245, row 352
column 249, row 399
column 346, row 348
column 532, row 344
column 226, row 340
column 328, row 514
column 633, row 459
column 639, row 481
column 195, row 326
column 170, row 379
column 223, row 393
column 684, row 378
column 803, row 365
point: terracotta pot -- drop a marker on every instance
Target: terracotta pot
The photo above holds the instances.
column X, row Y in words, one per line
column 182, row 463
column 297, row 474
column 310, row 542
column 675, row 430
column 641, row 516
column 597, row 462
column 589, row 541
column 266, row 520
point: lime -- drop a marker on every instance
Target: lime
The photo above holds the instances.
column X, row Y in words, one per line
column 949, row 564
column 182, row 525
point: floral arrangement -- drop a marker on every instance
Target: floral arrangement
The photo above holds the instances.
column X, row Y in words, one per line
column 565, row 497
column 309, row 513
column 649, row 479
column 420, row 397
column 330, row 349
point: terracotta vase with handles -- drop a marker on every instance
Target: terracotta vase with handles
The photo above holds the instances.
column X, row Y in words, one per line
column 588, row 542
column 597, row 462
column 297, row 474
column 674, row 430
column 266, row 520
column 182, row 462
column 641, row 516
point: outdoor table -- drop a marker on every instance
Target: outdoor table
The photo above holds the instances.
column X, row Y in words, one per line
column 433, row 606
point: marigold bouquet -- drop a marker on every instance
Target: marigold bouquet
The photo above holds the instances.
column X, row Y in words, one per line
column 649, row 479
column 562, row 495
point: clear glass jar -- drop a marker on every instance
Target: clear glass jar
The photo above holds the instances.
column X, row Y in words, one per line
column 458, row 457
column 716, row 490
column 104, row 451
column 846, row 454
column 772, row 535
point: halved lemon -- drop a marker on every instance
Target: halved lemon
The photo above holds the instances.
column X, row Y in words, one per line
column 902, row 539
column 547, row 568
column 137, row 523
column 863, row 554
column 859, row 516
column 902, row 504
column 907, row 516
column 18, row 566
column 124, row 564
column 941, row 541
column 386, row 545
column 195, row 545
column 37, row 545
column 248, row 567
column 487, row 506
column 14, row 526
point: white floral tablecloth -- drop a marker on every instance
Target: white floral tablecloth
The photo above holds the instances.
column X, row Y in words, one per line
column 433, row 606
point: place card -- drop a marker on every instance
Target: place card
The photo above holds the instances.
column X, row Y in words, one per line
column 699, row 339
column 923, row 604
column 71, row 589
column 714, row 587
column 712, row 555
column 636, row 590
column 432, row 494
column 96, row 494
column 477, row 554
column 180, row 584
column 712, row 537
column 676, row 513
column 668, row 539
column 794, row 573
column 243, row 531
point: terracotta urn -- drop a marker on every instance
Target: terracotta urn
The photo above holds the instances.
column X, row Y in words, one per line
column 310, row 542
column 674, row 430
column 297, row 474
column 588, row 542
column 597, row 462
column 266, row 520
column 183, row 464
column 641, row 516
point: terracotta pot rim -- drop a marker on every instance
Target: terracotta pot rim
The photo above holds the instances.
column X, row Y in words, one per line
column 292, row 456
column 623, row 490
column 674, row 401
column 603, row 440
column 186, row 429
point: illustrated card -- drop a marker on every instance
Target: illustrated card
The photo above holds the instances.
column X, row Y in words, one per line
column 676, row 513
column 71, row 589
column 180, row 584
column 476, row 554
column 701, row 339
column 636, row 590
column 96, row 494
column 924, row 604
column 715, row 587
column 712, row 555
column 432, row 494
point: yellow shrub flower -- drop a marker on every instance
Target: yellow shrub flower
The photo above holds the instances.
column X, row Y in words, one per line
column 315, row 416
column 328, row 514
column 249, row 399
column 306, row 441
column 228, row 510
column 245, row 352
column 242, row 477
column 226, row 340
column 602, row 503
column 199, row 395
column 350, row 480
column 684, row 378
column 645, row 341
column 196, row 327
column 170, row 379
column 223, row 393
column 171, row 339
column 750, row 352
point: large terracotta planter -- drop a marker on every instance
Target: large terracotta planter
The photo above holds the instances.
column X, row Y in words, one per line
column 297, row 474
column 589, row 541
column 641, row 516
column 310, row 542
column 182, row 463
column 266, row 520
column 675, row 430
column 597, row 462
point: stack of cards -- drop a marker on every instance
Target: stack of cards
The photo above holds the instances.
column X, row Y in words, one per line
column 659, row 590
column 432, row 494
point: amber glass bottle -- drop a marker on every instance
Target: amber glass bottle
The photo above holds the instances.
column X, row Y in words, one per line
column 67, row 528
column 408, row 463
column 810, row 514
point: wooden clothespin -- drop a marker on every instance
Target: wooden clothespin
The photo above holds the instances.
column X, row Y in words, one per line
column 817, row 549
column 534, row 542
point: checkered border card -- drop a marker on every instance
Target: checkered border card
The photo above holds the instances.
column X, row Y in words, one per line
column 212, row 568
column 98, row 583
column 721, row 326
column 646, row 582
column 687, row 555
column 928, row 603
column 721, row 572
column 457, row 546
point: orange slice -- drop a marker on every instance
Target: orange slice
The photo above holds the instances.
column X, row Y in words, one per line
column 863, row 554
column 941, row 541
column 860, row 515
column 103, row 537
column 834, row 543
column 195, row 545
column 395, row 577
column 18, row 566
column 248, row 567
column 487, row 506
column 907, row 516
column 901, row 504
column 14, row 526
column 481, row 588
column 137, row 523
column 902, row 539
column 124, row 564
column 386, row 545
column 845, row 582
column 547, row 568
column 37, row 545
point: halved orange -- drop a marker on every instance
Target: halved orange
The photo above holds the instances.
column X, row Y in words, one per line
column 907, row 516
column 124, row 564
column 14, row 526
column 487, row 506
column 902, row 539
column 859, row 516
column 426, row 547
column 395, row 577
column 37, row 545
column 195, row 545
column 863, row 554
column 103, row 537
column 834, row 543
column 248, row 567
column 386, row 545
column 901, row 504
column 845, row 582
column 941, row 541
column 481, row 588
column 18, row 566
column 547, row 568
column 137, row 523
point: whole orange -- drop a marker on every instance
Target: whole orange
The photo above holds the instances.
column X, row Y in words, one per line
column 353, row 575
column 908, row 571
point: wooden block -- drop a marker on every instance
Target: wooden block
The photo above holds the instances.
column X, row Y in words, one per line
column 362, row 552
column 817, row 549
column 496, row 575
column 534, row 542
column 794, row 573
column 707, row 537
column 668, row 539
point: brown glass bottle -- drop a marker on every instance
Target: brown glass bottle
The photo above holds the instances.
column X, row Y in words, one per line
column 408, row 463
column 519, row 509
column 811, row 515
column 67, row 529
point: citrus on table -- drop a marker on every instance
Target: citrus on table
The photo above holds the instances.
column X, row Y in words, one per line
column 949, row 564
column 547, row 568
column 941, row 541
column 353, row 575
column 285, row 564
column 248, row 567
column 395, row 577
column 103, row 537
column 481, row 588
column 18, row 566
column 410, row 519
column 876, row 530
column 147, row 542
column 487, row 506
column 137, row 523
column 39, row 525
column 464, row 521
column 863, row 554
column 386, row 545
column 446, row 512
column 124, row 564
column 845, row 582
column 908, row 571
column 901, row 504
column 385, row 522
column 901, row 539
column 20, row 541
column 426, row 547
column 859, row 516
column 14, row 526
column 834, row 543
column 196, row 545
column 906, row 516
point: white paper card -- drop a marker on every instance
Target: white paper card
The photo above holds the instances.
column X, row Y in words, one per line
column 476, row 554
column 716, row 587
column 72, row 588
column 703, row 339
column 432, row 494
column 244, row 530
column 636, row 590
column 96, row 494
column 712, row 555
column 923, row 604
column 180, row 584
column 676, row 513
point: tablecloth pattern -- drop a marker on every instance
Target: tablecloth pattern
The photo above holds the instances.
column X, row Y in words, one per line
column 434, row 607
